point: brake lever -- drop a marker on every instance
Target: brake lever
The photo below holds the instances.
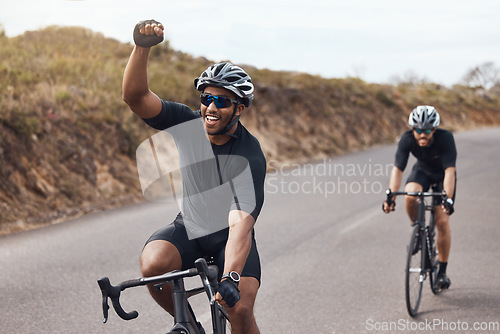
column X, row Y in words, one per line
column 103, row 282
column 105, row 308
column 113, row 292
column 389, row 200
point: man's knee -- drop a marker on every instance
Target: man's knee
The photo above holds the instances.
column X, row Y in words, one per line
column 159, row 257
column 241, row 315
column 413, row 187
column 442, row 222
column 243, row 309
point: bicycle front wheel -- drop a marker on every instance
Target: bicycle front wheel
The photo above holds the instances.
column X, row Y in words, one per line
column 415, row 271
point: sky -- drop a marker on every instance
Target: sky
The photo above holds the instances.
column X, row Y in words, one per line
column 375, row 40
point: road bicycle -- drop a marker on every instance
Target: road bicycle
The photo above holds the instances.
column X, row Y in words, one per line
column 184, row 318
column 422, row 260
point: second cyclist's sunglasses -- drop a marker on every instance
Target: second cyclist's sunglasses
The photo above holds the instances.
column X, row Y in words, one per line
column 220, row 101
column 426, row 131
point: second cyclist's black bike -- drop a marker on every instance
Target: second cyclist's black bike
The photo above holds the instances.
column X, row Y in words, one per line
column 184, row 317
column 422, row 260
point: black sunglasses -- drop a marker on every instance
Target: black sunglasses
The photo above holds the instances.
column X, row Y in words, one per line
column 426, row 131
column 220, row 101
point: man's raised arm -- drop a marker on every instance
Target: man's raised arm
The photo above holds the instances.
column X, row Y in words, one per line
column 135, row 90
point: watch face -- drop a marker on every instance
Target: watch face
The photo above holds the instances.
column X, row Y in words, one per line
column 234, row 276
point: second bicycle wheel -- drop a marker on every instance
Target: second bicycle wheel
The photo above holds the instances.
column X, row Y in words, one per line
column 415, row 271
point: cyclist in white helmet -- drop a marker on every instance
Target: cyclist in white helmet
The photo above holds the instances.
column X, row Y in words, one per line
column 436, row 156
column 226, row 91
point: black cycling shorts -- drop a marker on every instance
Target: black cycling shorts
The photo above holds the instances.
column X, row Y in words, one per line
column 211, row 246
column 427, row 181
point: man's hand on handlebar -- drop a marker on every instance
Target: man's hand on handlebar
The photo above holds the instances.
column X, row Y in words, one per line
column 389, row 204
column 228, row 293
column 448, row 206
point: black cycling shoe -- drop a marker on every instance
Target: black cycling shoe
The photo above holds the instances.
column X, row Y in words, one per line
column 443, row 282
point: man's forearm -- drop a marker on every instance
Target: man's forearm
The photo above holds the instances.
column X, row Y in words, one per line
column 395, row 180
column 449, row 181
column 136, row 91
column 239, row 241
column 135, row 77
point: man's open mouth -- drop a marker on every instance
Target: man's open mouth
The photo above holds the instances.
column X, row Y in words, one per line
column 423, row 141
column 211, row 120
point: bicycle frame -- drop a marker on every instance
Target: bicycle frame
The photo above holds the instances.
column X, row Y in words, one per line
column 422, row 207
column 208, row 275
column 428, row 264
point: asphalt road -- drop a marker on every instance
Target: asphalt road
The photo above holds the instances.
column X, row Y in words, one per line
column 332, row 261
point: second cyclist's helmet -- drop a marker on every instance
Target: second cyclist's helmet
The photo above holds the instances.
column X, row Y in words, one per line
column 230, row 77
column 424, row 117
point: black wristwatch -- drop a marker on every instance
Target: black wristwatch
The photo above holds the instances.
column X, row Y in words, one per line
column 233, row 276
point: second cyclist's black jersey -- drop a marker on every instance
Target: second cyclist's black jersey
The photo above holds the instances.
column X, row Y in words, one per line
column 432, row 159
column 195, row 154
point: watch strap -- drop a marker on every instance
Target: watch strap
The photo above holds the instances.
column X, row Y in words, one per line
column 230, row 275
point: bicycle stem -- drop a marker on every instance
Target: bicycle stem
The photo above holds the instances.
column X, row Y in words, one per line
column 179, row 298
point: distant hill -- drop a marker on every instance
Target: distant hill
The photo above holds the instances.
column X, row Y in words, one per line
column 68, row 141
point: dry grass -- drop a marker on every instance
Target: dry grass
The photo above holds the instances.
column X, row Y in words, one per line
column 67, row 140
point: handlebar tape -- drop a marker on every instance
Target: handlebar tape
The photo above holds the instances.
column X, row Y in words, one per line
column 113, row 292
column 121, row 312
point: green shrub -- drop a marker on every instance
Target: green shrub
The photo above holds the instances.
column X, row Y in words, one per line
column 381, row 96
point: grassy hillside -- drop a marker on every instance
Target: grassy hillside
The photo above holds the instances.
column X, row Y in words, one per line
column 68, row 141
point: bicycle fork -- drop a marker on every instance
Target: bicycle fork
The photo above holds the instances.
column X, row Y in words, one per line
column 430, row 255
column 425, row 257
column 424, row 239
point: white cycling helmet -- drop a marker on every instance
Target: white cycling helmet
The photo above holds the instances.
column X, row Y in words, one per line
column 230, row 77
column 424, row 117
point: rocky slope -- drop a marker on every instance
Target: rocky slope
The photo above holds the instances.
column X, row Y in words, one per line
column 67, row 140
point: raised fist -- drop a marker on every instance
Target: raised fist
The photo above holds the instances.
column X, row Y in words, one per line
column 148, row 33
